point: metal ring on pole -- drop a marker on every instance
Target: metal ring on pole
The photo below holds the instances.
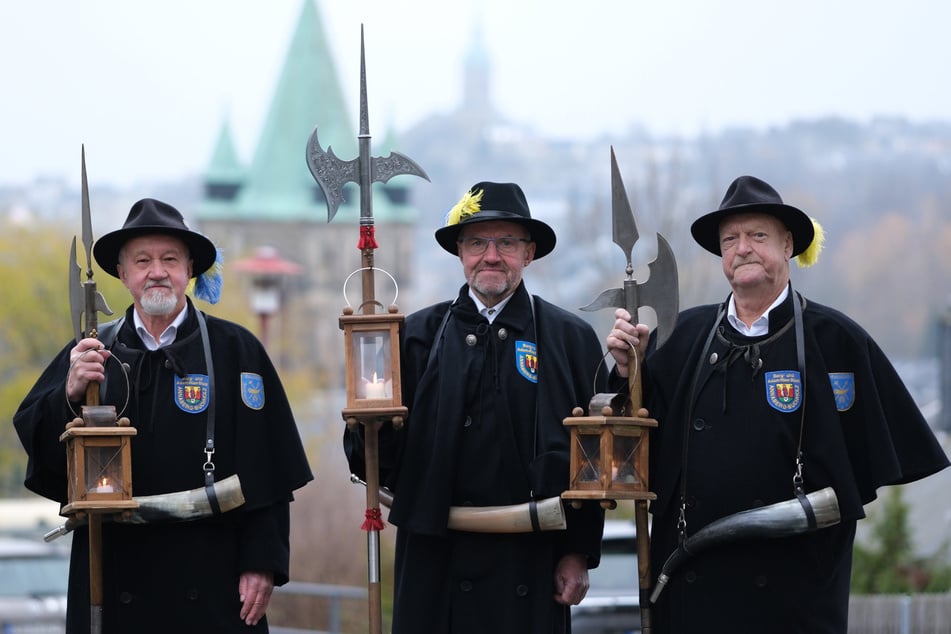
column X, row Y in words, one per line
column 125, row 374
column 396, row 286
column 597, row 370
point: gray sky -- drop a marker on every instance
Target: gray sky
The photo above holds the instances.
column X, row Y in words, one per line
column 146, row 84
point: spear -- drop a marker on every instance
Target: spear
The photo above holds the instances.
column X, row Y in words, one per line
column 87, row 301
column 659, row 291
column 331, row 173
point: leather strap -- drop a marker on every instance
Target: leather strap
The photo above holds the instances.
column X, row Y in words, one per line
column 798, row 488
column 209, row 466
column 810, row 512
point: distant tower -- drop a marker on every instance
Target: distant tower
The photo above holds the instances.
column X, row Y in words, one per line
column 944, row 372
column 477, row 85
column 225, row 175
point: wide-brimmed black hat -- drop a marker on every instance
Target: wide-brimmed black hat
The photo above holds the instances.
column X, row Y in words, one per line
column 748, row 194
column 488, row 201
column 150, row 216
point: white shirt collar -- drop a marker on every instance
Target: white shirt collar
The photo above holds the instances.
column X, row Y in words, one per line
column 167, row 336
column 761, row 325
column 489, row 313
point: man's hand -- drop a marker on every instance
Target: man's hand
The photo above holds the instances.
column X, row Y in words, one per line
column 623, row 337
column 571, row 579
column 87, row 364
column 254, row 589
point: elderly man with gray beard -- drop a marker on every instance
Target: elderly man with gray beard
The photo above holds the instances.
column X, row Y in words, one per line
column 194, row 382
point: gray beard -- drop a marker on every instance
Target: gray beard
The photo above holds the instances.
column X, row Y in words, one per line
column 158, row 304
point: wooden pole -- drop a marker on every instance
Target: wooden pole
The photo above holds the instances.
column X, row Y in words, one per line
column 371, row 459
column 640, row 506
column 95, row 544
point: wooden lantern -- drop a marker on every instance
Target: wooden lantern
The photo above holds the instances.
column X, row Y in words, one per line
column 609, row 453
column 373, row 366
column 99, row 462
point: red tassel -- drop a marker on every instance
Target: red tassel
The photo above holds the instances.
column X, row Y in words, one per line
column 367, row 237
column 373, row 521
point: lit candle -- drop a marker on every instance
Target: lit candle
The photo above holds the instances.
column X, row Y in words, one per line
column 376, row 388
column 104, row 486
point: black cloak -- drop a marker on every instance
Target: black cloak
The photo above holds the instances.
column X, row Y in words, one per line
column 861, row 430
column 485, row 428
column 183, row 576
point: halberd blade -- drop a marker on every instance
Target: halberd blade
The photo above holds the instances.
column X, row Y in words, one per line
column 75, row 292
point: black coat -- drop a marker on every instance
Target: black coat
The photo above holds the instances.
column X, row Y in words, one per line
column 180, row 577
column 862, row 430
column 471, row 438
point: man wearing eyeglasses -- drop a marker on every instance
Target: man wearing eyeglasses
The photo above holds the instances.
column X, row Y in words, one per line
column 489, row 378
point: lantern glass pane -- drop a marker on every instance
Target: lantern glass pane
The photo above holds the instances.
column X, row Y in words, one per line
column 371, row 364
column 104, row 469
column 625, row 449
column 589, row 447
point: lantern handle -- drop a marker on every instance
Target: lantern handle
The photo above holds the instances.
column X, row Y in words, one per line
column 597, row 370
column 396, row 286
column 125, row 374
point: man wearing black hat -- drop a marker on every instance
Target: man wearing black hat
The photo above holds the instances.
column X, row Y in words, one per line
column 488, row 378
column 762, row 399
column 206, row 403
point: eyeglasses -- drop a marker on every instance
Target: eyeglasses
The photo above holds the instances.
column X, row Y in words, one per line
column 477, row 245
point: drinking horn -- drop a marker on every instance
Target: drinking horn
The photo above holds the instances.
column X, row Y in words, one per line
column 537, row 515
column 801, row 514
column 180, row 506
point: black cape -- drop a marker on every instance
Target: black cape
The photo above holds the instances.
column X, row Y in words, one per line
column 179, row 576
column 861, row 430
column 471, row 439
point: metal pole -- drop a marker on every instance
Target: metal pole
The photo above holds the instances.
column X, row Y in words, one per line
column 95, row 573
column 374, row 588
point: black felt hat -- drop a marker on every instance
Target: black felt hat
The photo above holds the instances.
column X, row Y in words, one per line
column 150, row 216
column 748, row 194
column 488, row 201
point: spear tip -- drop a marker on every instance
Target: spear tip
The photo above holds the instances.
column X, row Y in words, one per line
column 624, row 227
column 364, row 115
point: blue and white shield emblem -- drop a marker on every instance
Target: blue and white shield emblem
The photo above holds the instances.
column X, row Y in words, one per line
column 784, row 390
column 843, row 388
column 252, row 390
column 192, row 392
column 526, row 360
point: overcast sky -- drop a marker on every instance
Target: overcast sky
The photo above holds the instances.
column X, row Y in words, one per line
column 146, row 84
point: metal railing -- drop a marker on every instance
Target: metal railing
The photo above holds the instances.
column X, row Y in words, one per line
column 336, row 595
column 900, row 614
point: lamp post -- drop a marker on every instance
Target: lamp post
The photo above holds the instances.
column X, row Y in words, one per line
column 267, row 270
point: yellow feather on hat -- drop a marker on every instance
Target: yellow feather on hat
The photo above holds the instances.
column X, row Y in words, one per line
column 811, row 255
column 467, row 206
